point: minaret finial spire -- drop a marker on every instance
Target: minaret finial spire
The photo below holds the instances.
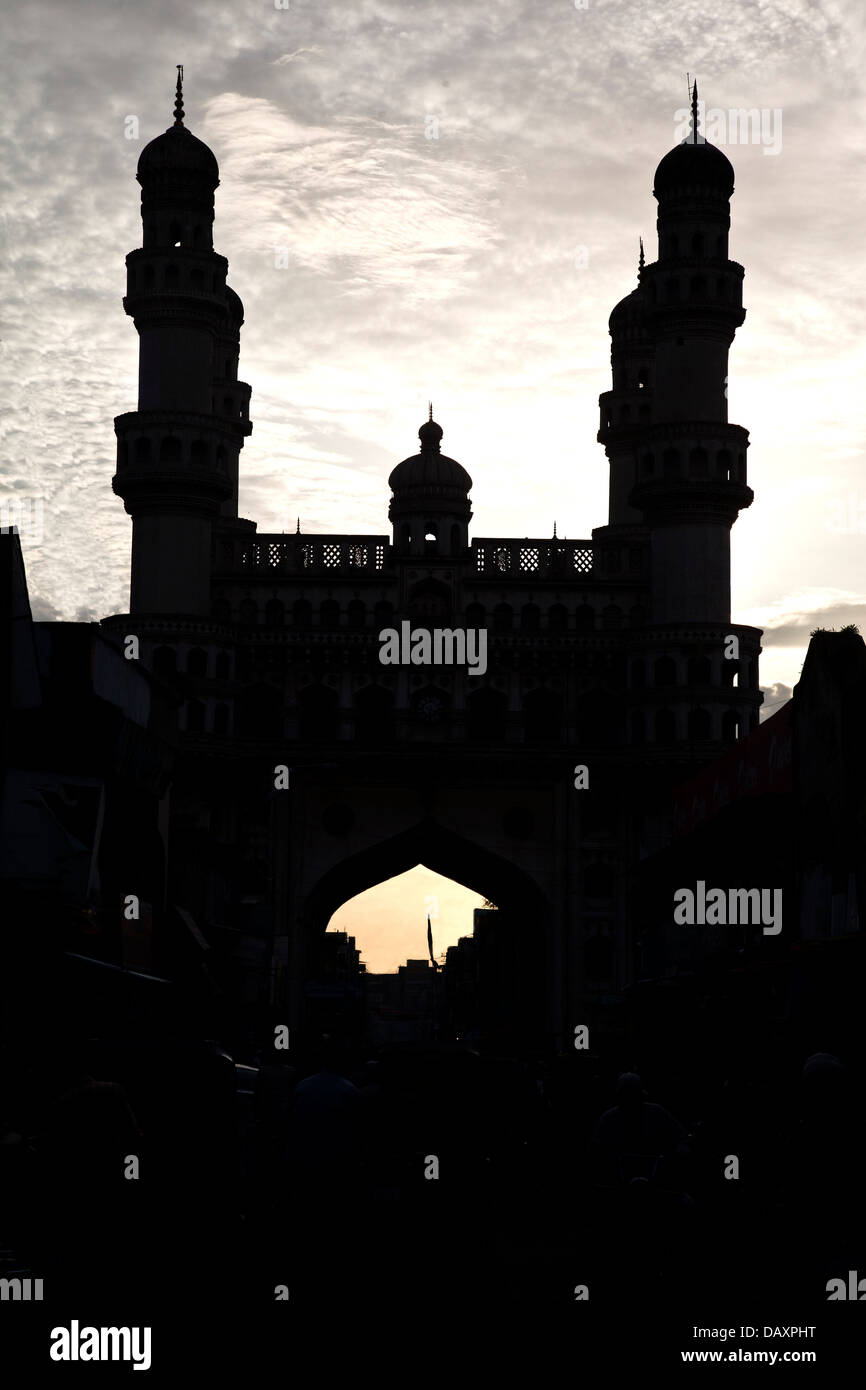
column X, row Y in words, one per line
column 695, row 112
column 641, row 259
column 178, row 99
column 298, row 527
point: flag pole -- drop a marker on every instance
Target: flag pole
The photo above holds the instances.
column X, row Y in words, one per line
column 435, row 974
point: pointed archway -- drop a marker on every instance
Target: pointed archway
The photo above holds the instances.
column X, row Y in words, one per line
column 518, row 954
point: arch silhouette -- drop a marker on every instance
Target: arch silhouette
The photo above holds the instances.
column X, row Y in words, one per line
column 436, row 848
column 523, row 922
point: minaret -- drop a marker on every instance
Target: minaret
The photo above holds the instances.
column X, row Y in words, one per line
column 626, row 409
column 177, row 455
column 691, row 479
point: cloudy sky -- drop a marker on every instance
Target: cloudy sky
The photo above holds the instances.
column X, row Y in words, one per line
column 459, row 190
column 433, row 171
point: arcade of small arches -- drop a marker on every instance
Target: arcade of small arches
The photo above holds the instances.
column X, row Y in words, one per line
column 175, row 450
column 444, row 540
column 329, row 613
column 698, row 669
column 509, row 708
column 185, row 448
column 698, row 460
column 697, row 724
column 159, row 272
column 669, row 247
column 675, row 289
column 170, row 231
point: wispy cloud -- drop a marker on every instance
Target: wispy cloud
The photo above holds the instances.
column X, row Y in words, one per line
column 789, row 621
column 775, row 696
column 430, row 170
column 293, row 57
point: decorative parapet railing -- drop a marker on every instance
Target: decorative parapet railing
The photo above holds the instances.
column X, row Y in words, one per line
column 372, row 555
column 526, row 559
column 298, row 554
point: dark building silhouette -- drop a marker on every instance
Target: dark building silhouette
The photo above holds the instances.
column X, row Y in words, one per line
column 234, row 754
column 334, row 991
column 403, row 1007
column 460, row 986
column 609, row 651
column 480, row 987
column 782, row 810
column 88, row 750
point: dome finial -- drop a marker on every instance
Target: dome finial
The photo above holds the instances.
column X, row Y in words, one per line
column 178, row 100
column 430, row 433
column 641, row 261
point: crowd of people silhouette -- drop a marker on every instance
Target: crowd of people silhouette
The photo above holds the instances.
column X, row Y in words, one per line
column 420, row 1172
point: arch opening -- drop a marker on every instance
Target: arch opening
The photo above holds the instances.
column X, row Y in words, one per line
column 491, row 991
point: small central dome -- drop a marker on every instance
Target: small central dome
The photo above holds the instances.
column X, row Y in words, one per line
column 430, row 434
column 431, row 469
